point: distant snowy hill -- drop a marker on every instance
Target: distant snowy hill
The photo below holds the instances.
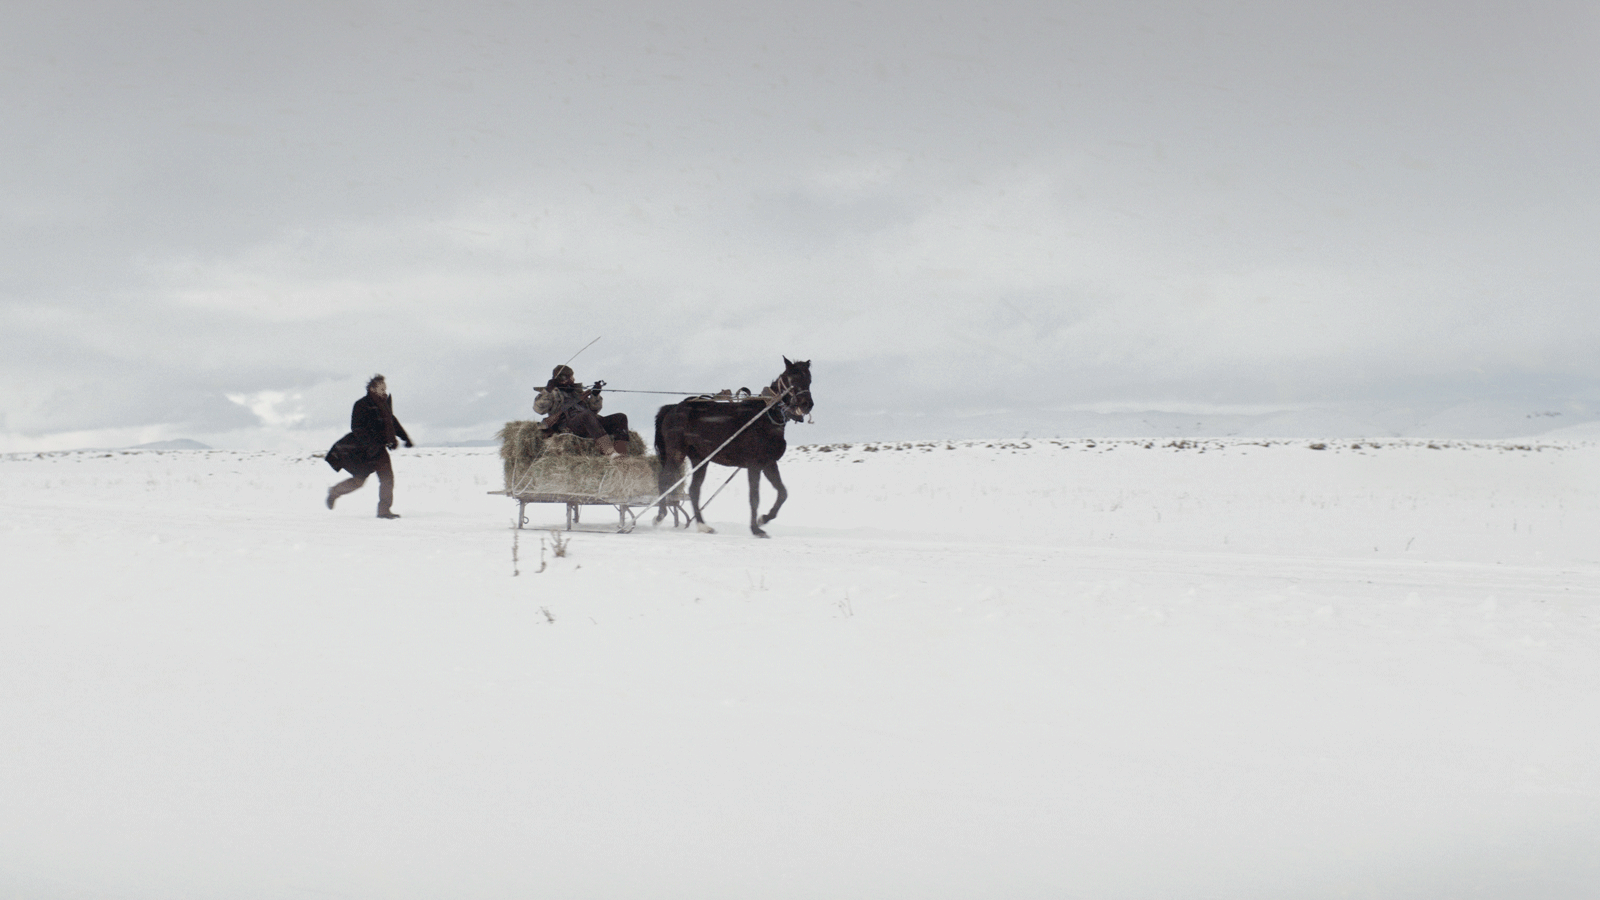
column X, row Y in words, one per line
column 1477, row 420
column 179, row 444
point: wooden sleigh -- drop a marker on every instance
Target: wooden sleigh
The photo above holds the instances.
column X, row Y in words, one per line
column 571, row 470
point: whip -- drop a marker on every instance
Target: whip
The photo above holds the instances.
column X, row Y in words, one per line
column 580, row 350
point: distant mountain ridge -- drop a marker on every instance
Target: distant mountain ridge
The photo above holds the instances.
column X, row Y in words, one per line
column 1562, row 419
column 177, row 444
column 1477, row 420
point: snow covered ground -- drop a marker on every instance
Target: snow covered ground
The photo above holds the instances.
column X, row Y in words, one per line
column 1097, row 669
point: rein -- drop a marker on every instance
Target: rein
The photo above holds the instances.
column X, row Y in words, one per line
column 781, row 387
column 612, row 390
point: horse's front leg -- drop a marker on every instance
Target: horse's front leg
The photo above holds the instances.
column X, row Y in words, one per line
column 694, row 497
column 771, row 471
column 755, row 501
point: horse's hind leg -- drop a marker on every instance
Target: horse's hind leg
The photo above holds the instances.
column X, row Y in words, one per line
column 671, row 471
column 661, row 513
column 755, row 501
column 670, row 453
column 694, row 498
column 771, row 471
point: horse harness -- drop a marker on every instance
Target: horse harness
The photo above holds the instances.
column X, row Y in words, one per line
column 778, row 409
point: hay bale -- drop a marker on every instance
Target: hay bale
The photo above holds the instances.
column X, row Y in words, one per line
column 590, row 476
column 568, row 464
column 520, row 444
column 526, row 442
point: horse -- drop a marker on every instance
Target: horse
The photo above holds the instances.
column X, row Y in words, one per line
column 752, row 429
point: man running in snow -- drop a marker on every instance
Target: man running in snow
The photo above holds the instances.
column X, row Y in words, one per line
column 374, row 431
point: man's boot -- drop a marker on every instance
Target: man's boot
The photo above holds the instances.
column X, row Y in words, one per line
column 606, row 446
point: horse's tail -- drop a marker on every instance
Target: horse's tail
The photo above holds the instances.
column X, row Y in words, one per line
column 666, row 479
column 661, row 439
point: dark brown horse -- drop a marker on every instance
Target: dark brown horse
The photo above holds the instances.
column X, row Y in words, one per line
column 749, row 434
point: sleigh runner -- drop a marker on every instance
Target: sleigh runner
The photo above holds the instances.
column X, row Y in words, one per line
column 572, row 470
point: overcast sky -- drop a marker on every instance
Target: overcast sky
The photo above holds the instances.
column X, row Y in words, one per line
column 218, row 219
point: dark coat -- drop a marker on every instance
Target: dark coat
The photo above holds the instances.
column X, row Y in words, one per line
column 564, row 402
column 374, row 431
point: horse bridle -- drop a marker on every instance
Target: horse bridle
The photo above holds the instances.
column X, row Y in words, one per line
column 785, row 410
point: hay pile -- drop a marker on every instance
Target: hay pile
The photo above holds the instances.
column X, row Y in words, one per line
column 572, row 466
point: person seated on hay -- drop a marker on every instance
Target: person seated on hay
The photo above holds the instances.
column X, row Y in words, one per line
column 570, row 408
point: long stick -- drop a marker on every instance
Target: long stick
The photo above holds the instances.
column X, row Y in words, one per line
column 719, row 490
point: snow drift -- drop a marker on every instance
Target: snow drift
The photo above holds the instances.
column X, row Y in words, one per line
column 1000, row 668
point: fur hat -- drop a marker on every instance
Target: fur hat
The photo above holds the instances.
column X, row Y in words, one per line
column 560, row 371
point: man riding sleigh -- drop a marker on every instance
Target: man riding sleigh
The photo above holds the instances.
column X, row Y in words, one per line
column 570, row 408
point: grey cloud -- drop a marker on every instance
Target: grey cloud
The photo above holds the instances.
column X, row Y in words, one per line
column 1165, row 203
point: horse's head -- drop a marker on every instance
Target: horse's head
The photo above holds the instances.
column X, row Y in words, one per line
column 794, row 385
